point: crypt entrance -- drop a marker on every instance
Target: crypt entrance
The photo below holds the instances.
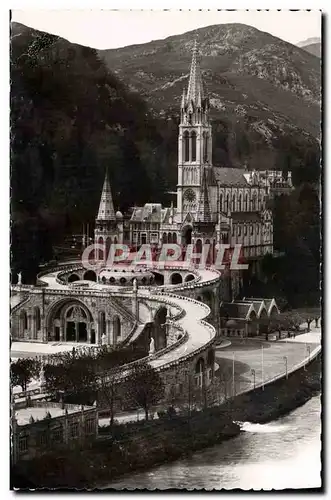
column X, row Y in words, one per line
column 71, row 321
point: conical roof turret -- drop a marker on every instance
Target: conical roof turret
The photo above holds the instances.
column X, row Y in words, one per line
column 106, row 208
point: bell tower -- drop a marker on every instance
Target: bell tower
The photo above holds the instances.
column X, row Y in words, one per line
column 108, row 225
column 194, row 144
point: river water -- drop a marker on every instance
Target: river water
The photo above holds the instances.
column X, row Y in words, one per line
column 282, row 454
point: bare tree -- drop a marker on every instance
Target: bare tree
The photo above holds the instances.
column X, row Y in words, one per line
column 144, row 387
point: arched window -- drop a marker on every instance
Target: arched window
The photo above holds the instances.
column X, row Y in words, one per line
column 169, row 238
column 205, row 147
column 239, row 203
column 194, row 146
column 246, row 203
column 221, row 202
column 100, row 252
column 234, row 203
column 102, row 323
column 186, row 146
column 116, row 327
column 174, row 237
column 227, row 204
column 108, row 243
column 164, row 238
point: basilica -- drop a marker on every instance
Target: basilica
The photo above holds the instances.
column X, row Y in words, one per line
column 215, row 204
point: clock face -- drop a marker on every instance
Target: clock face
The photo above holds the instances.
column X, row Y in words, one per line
column 189, row 195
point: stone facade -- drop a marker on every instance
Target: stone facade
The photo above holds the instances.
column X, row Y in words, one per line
column 43, row 426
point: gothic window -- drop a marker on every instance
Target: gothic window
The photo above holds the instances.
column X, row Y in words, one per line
column 239, row 230
column 257, row 229
column 221, row 202
column 174, row 238
column 252, row 229
column 194, row 146
column 186, row 146
column 164, row 238
column 245, row 230
column 254, row 202
column 189, row 200
column 227, row 204
column 189, row 195
column 205, row 147
column 239, row 203
column 233, row 203
column 169, row 238
column 246, row 202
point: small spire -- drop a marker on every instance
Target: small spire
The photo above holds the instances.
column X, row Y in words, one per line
column 204, row 214
column 106, row 207
column 183, row 98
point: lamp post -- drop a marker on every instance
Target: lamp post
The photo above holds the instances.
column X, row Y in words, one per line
column 262, row 363
column 233, row 385
column 253, row 373
column 285, row 359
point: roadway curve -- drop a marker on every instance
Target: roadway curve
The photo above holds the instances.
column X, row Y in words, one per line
column 199, row 334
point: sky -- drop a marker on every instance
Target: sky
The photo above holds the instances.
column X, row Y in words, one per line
column 117, row 28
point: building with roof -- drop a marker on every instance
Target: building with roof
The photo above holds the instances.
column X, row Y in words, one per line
column 38, row 426
column 215, row 204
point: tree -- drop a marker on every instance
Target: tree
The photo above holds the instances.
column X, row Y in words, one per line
column 76, row 377
column 23, row 371
column 108, row 388
column 144, row 387
column 309, row 314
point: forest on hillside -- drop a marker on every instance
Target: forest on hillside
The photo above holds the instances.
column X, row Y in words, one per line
column 71, row 118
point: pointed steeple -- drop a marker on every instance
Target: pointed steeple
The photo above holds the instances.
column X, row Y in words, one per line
column 106, row 207
column 195, row 86
column 204, row 214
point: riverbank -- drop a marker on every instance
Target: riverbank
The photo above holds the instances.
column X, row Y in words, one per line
column 141, row 445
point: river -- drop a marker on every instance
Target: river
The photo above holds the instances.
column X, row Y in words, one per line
column 282, row 454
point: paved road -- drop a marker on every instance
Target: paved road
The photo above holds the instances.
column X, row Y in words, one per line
column 248, row 355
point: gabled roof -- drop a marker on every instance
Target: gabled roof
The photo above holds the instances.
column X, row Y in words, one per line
column 150, row 212
column 259, row 305
column 269, row 303
column 236, row 310
column 226, row 176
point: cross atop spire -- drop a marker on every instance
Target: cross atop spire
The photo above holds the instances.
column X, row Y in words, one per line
column 195, row 89
column 106, row 207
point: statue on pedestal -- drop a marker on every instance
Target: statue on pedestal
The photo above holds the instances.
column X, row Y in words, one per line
column 103, row 339
column 19, row 278
column 152, row 347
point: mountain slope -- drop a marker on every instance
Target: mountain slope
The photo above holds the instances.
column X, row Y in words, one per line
column 314, row 48
column 70, row 120
column 247, row 72
column 309, row 41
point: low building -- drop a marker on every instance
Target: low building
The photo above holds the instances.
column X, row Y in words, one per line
column 42, row 426
column 247, row 317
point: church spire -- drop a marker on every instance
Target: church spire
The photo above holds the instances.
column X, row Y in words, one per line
column 195, row 89
column 106, row 207
column 204, row 214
